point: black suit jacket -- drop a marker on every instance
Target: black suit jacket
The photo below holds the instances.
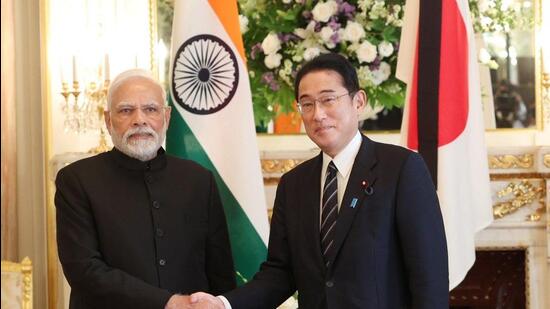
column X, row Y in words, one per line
column 130, row 233
column 390, row 248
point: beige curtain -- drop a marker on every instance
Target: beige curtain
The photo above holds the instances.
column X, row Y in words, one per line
column 9, row 218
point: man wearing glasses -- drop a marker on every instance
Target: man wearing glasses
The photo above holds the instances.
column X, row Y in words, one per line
column 359, row 225
column 135, row 226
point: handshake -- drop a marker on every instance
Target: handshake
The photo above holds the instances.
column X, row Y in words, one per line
column 199, row 300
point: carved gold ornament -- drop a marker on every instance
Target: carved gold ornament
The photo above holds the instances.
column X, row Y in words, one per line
column 25, row 270
column 511, row 161
column 279, row 166
column 522, row 194
column 546, row 160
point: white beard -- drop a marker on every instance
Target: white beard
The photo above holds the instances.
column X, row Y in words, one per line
column 141, row 149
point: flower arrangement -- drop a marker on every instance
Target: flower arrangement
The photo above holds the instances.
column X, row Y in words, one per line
column 501, row 15
column 279, row 35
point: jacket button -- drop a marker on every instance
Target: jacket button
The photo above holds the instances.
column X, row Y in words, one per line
column 160, row 232
column 149, row 179
column 329, row 284
column 162, row 262
column 156, row 204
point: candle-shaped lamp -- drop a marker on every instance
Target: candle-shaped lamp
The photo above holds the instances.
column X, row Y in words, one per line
column 75, row 75
column 107, row 67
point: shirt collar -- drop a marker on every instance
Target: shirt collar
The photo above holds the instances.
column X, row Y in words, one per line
column 130, row 163
column 345, row 158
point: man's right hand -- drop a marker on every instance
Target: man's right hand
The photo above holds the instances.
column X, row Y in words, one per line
column 201, row 300
column 178, row 302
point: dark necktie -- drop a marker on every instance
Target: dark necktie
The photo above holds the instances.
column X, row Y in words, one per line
column 329, row 211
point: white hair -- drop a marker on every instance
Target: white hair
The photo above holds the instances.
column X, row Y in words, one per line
column 127, row 76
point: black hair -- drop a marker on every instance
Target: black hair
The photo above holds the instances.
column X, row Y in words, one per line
column 332, row 62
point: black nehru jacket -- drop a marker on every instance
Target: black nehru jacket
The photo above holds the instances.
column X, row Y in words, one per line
column 131, row 233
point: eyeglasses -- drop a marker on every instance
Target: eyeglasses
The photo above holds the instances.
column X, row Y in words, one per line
column 307, row 105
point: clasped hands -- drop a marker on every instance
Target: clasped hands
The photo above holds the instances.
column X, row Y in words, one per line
column 199, row 300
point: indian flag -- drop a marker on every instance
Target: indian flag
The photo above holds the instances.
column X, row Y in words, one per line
column 443, row 119
column 212, row 121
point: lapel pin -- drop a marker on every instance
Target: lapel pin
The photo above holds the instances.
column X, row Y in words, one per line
column 367, row 188
column 353, row 202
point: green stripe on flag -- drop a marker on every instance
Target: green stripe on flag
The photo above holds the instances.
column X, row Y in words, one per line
column 249, row 251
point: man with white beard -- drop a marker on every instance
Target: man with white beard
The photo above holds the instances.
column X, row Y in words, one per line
column 137, row 228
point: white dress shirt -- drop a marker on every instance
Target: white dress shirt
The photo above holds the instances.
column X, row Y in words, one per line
column 343, row 162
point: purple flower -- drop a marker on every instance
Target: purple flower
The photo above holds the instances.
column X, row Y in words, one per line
column 335, row 25
column 267, row 78
column 286, row 37
column 317, row 27
column 335, row 38
column 347, row 8
column 256, row 48
column 274, row 85
column 294, row 37
column 307, row 15
column 375, row 64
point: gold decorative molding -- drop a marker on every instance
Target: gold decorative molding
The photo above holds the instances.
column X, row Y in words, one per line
column 546, row 160
column 545, row 94
column 511, row 161
column 153, row 37
column 537, row 215
column 523, row 193
column 516, row 176
column 25, row 269
column 279, row 166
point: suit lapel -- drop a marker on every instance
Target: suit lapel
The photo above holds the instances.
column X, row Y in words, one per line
column 311, row 211
column 362, row 170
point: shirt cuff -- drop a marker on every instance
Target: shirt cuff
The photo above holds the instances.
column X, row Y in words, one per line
column 225, row 302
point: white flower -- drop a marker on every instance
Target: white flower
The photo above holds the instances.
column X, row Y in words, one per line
column 326, row 33
column 485, row 21
column 324, row 10
column 381, row 74
column 307, row 32
column 369, row 112
column 311, row 53
column 272, row 61
column 378, row 10
column 484, row 55
column 484, row 5
column 297, row 58
column 366, row 52
column 396, row 8
column 485, row 59
column 505, row 5
column 353, row 32
column 243, row 22
column 385, row 49
column 287, row 1
column 271, row 44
